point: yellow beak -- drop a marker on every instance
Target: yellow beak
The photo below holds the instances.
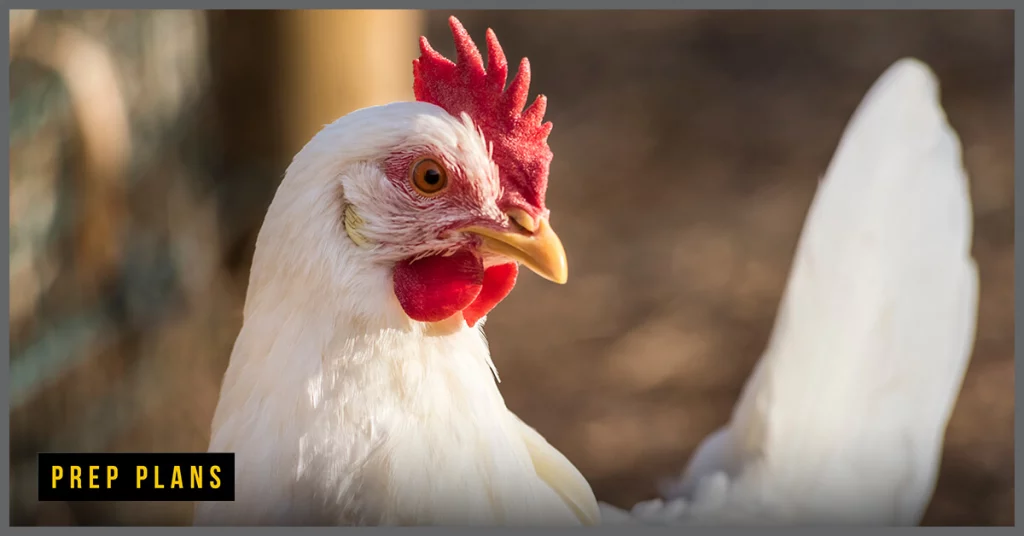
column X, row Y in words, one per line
column 538, row 248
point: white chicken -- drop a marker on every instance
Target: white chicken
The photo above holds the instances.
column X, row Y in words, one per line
column 360, row 390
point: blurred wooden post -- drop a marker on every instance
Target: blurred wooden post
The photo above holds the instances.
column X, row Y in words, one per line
column 337, row 61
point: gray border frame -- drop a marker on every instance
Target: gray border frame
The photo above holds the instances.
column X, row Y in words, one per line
column 522, row 5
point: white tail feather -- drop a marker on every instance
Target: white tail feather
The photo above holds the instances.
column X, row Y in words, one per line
column 843, row 419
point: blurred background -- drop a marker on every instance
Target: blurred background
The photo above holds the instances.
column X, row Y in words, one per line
column 146, row 146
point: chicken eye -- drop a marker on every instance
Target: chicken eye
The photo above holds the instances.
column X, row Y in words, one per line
column 429, row 177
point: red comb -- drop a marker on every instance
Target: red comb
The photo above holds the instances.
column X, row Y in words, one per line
column 519, row 138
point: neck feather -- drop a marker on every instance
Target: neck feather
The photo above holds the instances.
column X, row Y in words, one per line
column 320, row 311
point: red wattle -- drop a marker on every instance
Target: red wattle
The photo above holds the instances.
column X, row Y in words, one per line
column 498, row 282
column 432, row 289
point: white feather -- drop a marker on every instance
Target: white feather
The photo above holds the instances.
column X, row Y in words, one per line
column 843, row 420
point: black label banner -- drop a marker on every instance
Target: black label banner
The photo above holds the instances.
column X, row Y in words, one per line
column 187, row 476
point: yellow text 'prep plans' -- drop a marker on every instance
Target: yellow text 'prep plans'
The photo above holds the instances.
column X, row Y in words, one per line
column 189, row 476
